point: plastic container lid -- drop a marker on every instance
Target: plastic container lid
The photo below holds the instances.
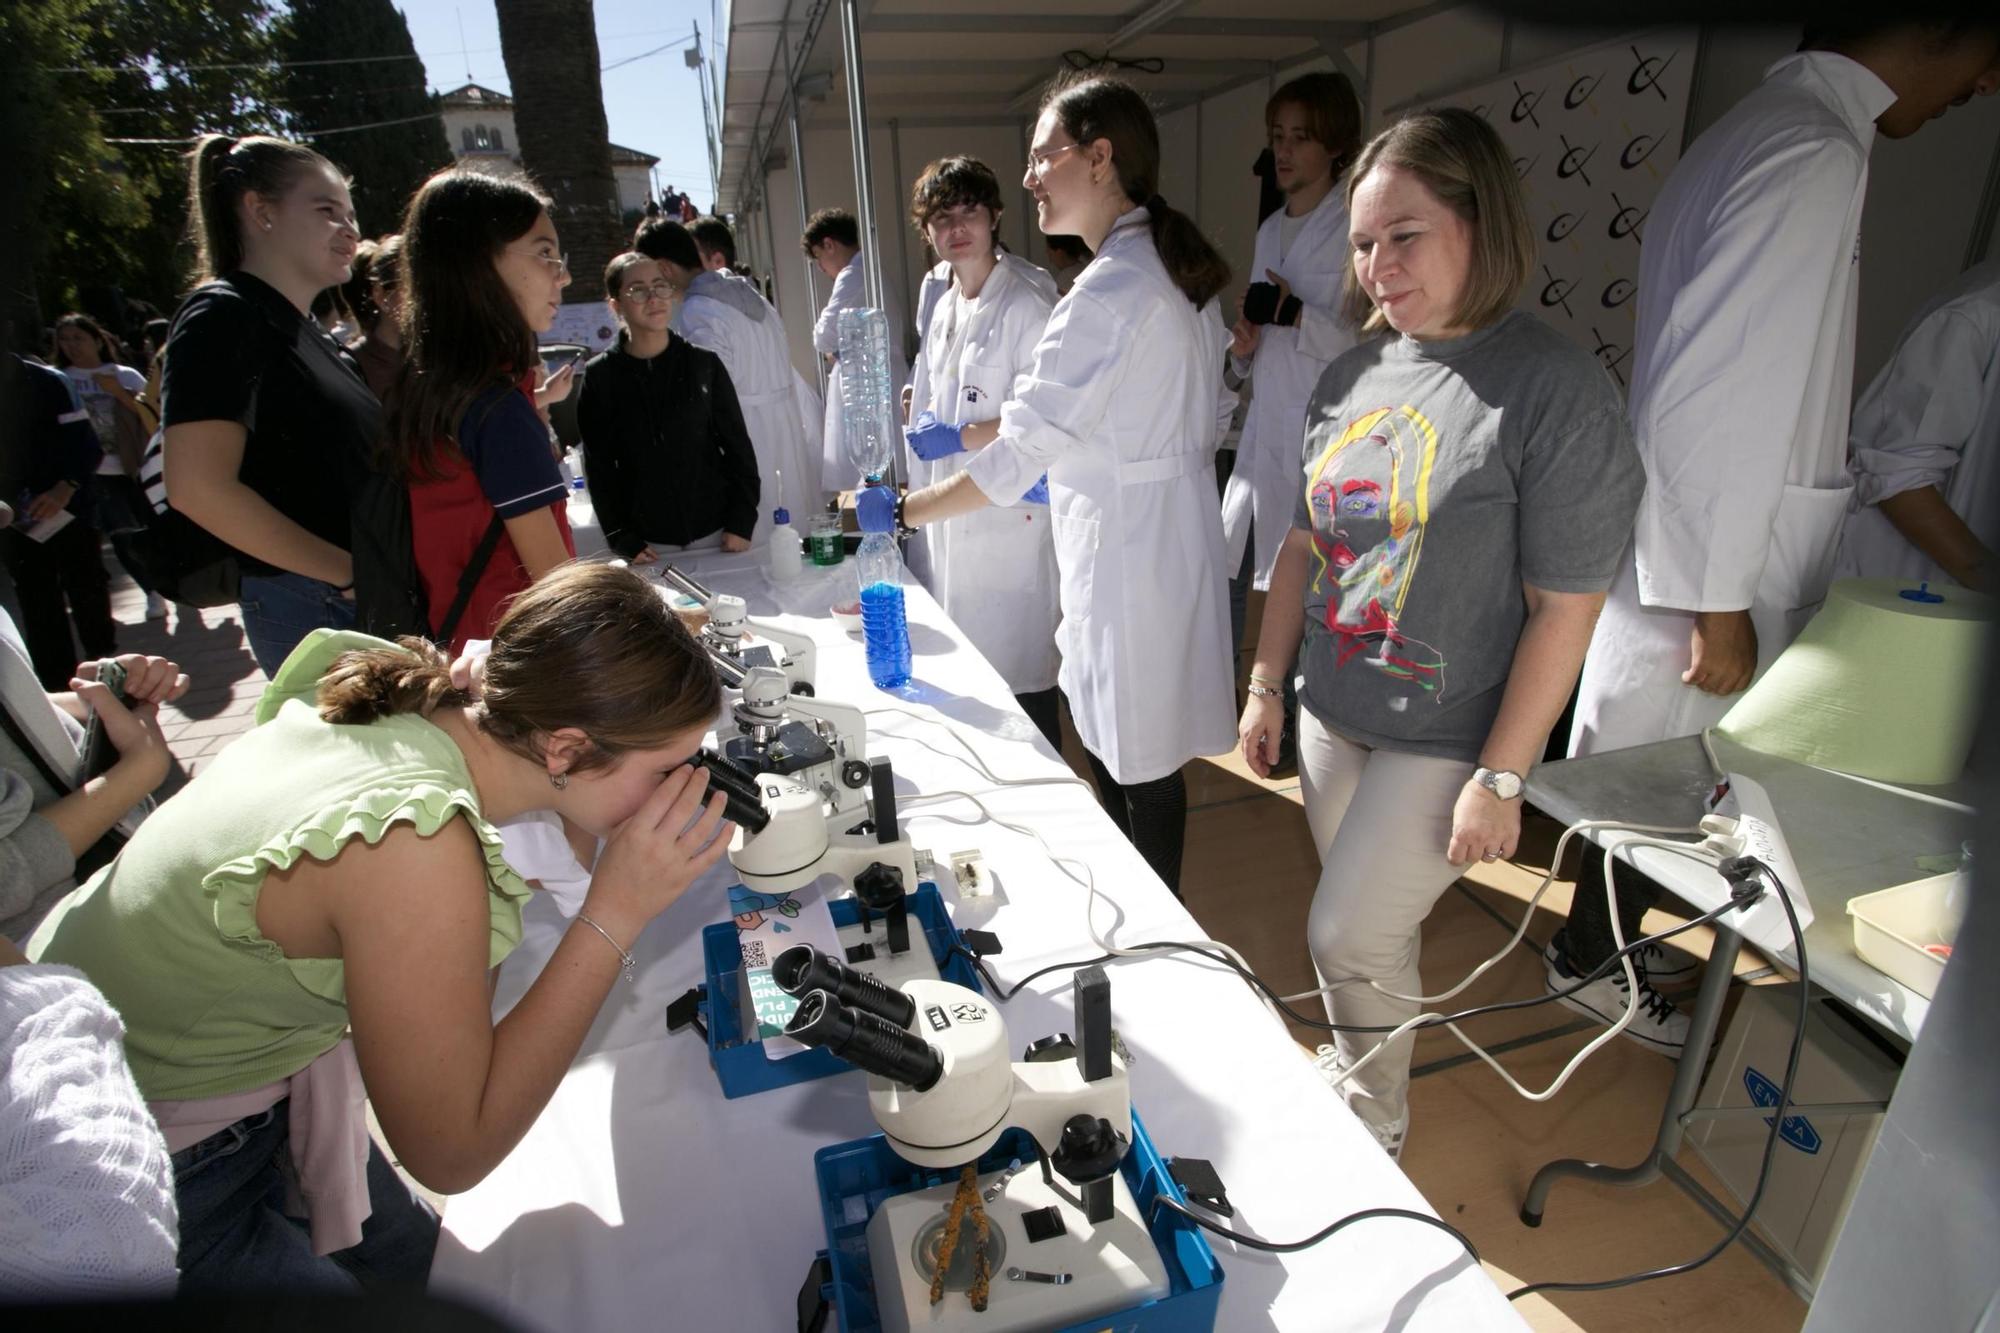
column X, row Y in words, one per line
column 781, row 515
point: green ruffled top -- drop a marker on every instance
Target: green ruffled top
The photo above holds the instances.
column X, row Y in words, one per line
column 169, row 930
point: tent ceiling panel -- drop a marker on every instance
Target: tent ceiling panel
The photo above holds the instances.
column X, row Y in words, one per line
column 981, row 61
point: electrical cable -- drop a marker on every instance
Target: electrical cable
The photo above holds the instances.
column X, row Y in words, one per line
column 1288, row 1247
column 1223, row 953
column 1770, row 1142
column 1088, row 881
column 1555, row 861
column 1595, row 1044
column 1005, row 992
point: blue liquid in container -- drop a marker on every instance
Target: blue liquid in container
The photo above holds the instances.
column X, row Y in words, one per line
column 886, row 631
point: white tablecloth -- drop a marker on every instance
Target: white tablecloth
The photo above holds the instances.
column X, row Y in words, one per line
column 642, row 1198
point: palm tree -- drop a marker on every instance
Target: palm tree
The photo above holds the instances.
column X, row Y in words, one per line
column 550, row 47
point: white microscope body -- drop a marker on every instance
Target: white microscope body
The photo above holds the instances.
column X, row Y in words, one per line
column 801, row 842
column 737, row 643
column 944, row 1089
column 822, row 744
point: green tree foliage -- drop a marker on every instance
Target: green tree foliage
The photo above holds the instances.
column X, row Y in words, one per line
column 385, row 164
column 102, row 207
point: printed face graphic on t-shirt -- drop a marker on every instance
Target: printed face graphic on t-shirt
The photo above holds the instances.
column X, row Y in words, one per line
column 1369, row 493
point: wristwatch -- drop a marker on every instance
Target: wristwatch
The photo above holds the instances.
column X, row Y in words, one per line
column 1502, row 782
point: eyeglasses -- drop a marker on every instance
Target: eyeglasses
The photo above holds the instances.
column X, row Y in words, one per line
column 640, row 291
column 1038, row 163
column 561, row 262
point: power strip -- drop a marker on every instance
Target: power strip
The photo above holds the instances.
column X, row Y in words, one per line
column 1744, row 823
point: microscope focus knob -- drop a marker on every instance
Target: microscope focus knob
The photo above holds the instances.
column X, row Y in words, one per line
column 879, row 886
column 1090, row 1149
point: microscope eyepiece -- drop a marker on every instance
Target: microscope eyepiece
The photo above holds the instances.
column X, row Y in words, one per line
column 802, row 969
column 866, row 1040
column 742, row 803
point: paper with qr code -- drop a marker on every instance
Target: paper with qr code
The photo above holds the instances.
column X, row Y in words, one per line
column 767, row 924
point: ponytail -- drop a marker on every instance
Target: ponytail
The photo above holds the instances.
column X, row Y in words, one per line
column 1196, row 267
column 370, row 684
column 1098, row 106
column 588, row 646
column 221, row 170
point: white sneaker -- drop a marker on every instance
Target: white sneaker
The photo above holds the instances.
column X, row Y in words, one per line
column 1330, row 1066
column 1659, row 1025
column 156, row 606
column 1668, row 964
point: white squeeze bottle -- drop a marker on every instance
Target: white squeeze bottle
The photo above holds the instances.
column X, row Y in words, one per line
column 785, row 556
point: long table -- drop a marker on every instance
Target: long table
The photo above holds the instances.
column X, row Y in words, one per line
column 643, row 1199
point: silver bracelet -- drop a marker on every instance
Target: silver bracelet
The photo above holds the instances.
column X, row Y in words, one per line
column 626, row 958
column 1265, row 692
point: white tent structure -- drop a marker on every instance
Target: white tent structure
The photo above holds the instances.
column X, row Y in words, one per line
column 963, row 76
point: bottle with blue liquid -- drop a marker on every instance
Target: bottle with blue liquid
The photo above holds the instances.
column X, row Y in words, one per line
column 884, row 622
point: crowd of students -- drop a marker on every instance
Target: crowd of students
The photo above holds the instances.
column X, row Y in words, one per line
column 1437, row 490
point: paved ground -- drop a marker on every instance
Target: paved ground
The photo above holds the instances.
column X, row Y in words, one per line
column 224, row 680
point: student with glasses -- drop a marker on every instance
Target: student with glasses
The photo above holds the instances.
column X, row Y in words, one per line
column 482, row 274
column 722, row 313
column 1122, row 409
column 670, row 462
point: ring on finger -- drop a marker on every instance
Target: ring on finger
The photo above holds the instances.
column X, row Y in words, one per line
column 1489, row 856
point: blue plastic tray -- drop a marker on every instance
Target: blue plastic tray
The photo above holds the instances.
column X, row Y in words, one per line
column 733, row 1048
column 869, row 1169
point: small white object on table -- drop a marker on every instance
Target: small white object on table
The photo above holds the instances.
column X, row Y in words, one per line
column 642, row 1198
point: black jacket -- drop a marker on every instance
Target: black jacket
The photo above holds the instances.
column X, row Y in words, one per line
column 665, row 450
column 45, row 437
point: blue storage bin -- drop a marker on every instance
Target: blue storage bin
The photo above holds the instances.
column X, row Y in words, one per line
column 733, row 1048
column 869, row 1170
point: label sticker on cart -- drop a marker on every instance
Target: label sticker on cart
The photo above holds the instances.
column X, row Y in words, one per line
column 1797, row 1130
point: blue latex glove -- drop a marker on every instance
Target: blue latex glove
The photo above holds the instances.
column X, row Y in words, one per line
column 875, row 506
column 931, row 439
column 1038, row 494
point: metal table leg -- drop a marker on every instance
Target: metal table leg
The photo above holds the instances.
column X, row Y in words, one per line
column 1702, row 1023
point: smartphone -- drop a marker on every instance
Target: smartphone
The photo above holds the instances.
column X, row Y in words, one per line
column 99, row 753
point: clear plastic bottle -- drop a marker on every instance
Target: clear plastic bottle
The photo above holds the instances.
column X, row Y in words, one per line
column 884, row 622
column 784, row 557
column 867, row 393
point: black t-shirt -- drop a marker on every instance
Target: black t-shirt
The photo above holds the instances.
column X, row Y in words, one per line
column 239, row 351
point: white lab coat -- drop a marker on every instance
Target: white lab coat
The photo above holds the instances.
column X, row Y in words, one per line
column 1123, row 409
column 938, row 281
column 850, row 291
column 729, row 317
column 993, row 570
column 1263, row 491
column 1743, row 365
column 1931, row 418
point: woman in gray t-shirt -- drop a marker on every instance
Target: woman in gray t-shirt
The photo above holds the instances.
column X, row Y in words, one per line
column 1468, row 485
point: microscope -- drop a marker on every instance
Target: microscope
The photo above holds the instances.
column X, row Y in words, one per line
column 1064, row 1240
column 819, row 743
column 736, row 643
column 785, row 839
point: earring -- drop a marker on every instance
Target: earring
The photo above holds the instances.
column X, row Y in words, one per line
column 559, row 780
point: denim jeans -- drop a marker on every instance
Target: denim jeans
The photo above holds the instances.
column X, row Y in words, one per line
column 281, row 609
column 235, row 1236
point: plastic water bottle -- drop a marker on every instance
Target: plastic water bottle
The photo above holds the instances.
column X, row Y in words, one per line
column 868, row 428
column 785, row 556
column 885, row 624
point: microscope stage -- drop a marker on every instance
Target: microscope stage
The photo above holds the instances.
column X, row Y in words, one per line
column 1111, row 1267
column 892, row 970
